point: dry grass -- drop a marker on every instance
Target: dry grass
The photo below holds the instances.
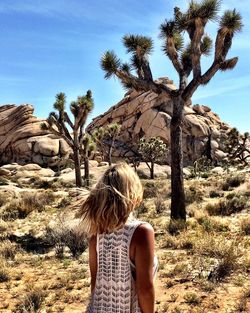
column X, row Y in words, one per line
column 203, row 267
column 245, row 225
column 233, row 203
column 192, row 298
column 27, row 203
column 64, row 234
column 8, row 250
column 4, row 272
column 31, row 303
column 232, row 182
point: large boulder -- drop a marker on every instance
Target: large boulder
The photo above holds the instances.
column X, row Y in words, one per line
column 23, row 141
column 140, row 114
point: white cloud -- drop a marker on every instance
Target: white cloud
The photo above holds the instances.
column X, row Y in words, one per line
column 227, row 86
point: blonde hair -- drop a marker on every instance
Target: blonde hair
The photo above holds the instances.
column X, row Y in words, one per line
column 110, row 202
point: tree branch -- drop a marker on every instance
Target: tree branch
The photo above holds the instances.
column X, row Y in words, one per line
column 173, row 54
column 140, row 84
column 68, row 120
column 205, row 78
column 195, row 48
column 57, row 133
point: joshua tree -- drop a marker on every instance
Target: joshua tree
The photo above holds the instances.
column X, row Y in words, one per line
column 86, row 149
column 237, row 146
column 152, row 150
column 186, row 60
column 58, row 124
column 105, row 137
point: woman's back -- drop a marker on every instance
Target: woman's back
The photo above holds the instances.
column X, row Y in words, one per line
column 115, row 290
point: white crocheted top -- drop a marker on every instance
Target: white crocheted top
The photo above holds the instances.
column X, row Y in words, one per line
column 115, row 286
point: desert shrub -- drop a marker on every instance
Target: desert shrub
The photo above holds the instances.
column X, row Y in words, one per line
column 8, row 250
column 152, row 188
column 227, row 206
column 32, row 302
column 3, row 181
column 225, row 266
column 214, row 194
column 192, row 298
column 67, row 235
column 177, row 310
column 186, row 242
column 40, row 183
column 226, row 253
column 28, row 202
column 169, row 242
column 4, row 272
column 76, row 241
column 245, row 225
column 141, row 209
column 176, row 226
column 245, row 263
column 37, row 200
column 3, row 226
column 65, row 201
column 160, row 206
column 209, row 245
column 179, row 269
column 210, row 224
column 193, row 194
column 232, row 182
column 3, row 198
column 10, row 211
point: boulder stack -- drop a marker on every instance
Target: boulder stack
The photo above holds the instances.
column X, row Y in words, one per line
column 23, row 141
column 140, row 115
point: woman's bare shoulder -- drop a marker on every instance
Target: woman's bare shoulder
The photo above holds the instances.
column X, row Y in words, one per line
column 143, row 233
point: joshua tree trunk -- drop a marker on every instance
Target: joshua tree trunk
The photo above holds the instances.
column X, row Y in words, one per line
column 77, row 161
column 152, row 172
column 110, row 153
column 178, row 210
column 86, row 170
column 110, row 156
column 77, row 168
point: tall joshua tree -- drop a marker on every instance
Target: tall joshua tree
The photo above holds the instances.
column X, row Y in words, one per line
column 60, row 123
column 186, row 59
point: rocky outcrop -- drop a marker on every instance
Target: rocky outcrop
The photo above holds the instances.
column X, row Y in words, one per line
column 23, row 141
column 140, row 114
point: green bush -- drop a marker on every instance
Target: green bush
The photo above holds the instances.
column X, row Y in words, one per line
column 27, row 203
column 192, row 298
column 228, row 206
column 232, row 182
column 193, row 194
column 245, row 225
column 31, row 303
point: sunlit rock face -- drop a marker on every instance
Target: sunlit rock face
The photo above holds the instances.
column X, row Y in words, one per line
column 23, row 141
column 140, row 114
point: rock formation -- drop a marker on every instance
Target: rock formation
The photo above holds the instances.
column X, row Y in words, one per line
column 23, row 141
column 140, row 115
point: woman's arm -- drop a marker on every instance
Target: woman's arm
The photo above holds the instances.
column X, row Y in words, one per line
column 144, row 261
column 92, row 261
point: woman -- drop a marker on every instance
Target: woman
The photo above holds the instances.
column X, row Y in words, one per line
column 121, row 249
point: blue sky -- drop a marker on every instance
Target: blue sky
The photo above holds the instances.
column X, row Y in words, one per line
column 49, row 46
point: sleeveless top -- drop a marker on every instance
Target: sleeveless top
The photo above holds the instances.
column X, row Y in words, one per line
column 114, row 290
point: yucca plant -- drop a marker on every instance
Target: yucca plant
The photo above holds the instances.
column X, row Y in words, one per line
column 105, row 138
column 186, row 59
column 237, row 147
column 59, row 124
column 152, row 151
